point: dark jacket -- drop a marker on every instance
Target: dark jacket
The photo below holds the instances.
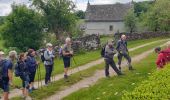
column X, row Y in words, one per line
column 122, row 46
column 109, row 52
column 31, row 63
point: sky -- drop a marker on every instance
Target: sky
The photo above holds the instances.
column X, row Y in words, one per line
column 5, row 5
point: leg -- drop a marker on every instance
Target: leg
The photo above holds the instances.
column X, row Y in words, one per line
column 113, row 65
column 50, row 72
column 5, row 94
column 106, row 68
column 6, row 90
column 119, row 60
column 47, row 74
column 128, row 58
column 66, row 66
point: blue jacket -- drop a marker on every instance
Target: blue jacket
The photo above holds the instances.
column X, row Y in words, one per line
column 31, row 63
column 7, row 65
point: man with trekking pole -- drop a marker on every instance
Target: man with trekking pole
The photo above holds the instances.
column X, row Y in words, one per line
column 48, row 62
column 67, row 53
column 123, row 52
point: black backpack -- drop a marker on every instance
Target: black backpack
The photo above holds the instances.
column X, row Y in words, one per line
column 103, row 51
column 42, row 55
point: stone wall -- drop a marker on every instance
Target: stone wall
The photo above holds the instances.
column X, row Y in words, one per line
column 144, row 35
column 89, row 42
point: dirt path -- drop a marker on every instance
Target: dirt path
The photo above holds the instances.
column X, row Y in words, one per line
column 17, row 92
column 93, row 79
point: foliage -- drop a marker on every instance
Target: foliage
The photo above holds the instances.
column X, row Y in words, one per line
column 23, row 28
column 130, row 21
column 2, row 19
column 157, row 87
column 157, row 18
column 59, row 15
column 80, row 14
column 142, row 7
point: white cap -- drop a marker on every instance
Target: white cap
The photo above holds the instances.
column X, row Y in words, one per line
column 49, row 45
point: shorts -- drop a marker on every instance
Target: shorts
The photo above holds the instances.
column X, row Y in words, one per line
column 5, row 85
column 66, row 61
column 25, row 81
column 32, row 76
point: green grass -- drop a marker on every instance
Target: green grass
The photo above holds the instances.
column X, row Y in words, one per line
column 86, row 58
column 59, row 85
column 112, row 88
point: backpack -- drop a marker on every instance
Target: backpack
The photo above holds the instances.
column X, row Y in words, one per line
column 103, row 51
column 60, row 52
column 17, row 70
column 166, row 54
column 42, row 55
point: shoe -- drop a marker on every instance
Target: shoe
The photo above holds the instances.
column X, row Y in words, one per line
column 29, row 90
column 120, row 68
column 107, row 76
column 65, row 77
column 130, row 68
column 120, row 74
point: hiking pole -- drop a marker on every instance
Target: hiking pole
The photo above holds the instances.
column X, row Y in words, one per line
column 77, row 66
column 40, row 75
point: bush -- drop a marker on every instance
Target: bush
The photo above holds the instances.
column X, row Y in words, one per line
column 157, row 87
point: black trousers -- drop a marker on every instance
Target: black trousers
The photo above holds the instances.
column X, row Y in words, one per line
column 112, row 64
column 49, row 69
column 127, row 57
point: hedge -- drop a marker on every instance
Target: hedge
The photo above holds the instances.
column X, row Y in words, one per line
column 157, row 87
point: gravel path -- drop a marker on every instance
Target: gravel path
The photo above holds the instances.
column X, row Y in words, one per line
column 17, row 92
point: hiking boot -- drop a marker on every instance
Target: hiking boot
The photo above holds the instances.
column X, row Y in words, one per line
column 130, row 68
column 65, row 76
column 119, row 68
column 107, row 76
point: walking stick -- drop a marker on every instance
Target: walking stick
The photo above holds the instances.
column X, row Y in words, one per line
column 40, row 75
column 77, row 66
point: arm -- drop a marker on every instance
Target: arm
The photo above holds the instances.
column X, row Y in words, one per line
column 10, row 73
column 118, row 45
column 29, row 63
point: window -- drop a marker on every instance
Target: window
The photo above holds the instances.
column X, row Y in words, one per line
column 111, row 28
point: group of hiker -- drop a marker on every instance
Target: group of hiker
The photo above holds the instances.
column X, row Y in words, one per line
column 27, row 65
column 109, row 51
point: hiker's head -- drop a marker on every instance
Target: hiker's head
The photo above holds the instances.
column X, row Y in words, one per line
column 68, row 41
column 13, row 55
column 49, row 46
column 22, row 56
column 1, row 55
column 31, row 52
column 123, row 37
column 110, row 43
column 157, row 49
column 168, row 44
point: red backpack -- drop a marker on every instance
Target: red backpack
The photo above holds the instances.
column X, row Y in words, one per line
column 166, row 53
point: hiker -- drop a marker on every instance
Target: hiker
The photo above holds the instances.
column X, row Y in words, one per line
column 6, row 72
column 32, row 66
column 67, row 52
column 23, row 72
column 108, row 57
column 49, row 62
column 161, row 59
column 123, row 52
column 166, row 52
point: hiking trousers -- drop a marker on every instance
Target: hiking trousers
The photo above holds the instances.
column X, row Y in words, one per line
column 48, row 69
column 110, row 62
column 126, row 56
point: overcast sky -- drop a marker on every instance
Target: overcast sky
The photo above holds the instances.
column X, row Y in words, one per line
column 5, row 5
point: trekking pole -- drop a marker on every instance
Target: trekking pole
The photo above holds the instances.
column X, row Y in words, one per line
column 77, row 66
column 40, row 75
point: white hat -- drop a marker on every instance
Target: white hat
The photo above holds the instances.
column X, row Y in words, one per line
column 49, row 45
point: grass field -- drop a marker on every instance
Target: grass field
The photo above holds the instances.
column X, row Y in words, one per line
column 85, row 58
column 112, row 88
column 59, row 85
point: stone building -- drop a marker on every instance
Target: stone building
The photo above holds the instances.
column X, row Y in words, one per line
column 106, row 19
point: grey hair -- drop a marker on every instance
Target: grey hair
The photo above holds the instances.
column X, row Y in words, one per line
column 68, row 39
column 13, row 54
column 49, row 45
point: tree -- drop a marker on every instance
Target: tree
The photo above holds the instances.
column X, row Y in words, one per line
column 158, row 16
column 23, row 28
column 59, row 14
column 2, row 18
column 80, row 14
column 130, row 21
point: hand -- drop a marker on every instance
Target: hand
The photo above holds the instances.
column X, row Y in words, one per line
column 37, row 62
column 71, row 52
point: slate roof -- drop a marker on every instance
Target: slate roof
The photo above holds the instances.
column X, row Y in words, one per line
column 107, row 12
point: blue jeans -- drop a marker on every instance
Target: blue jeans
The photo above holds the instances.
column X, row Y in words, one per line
column 25, row 81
